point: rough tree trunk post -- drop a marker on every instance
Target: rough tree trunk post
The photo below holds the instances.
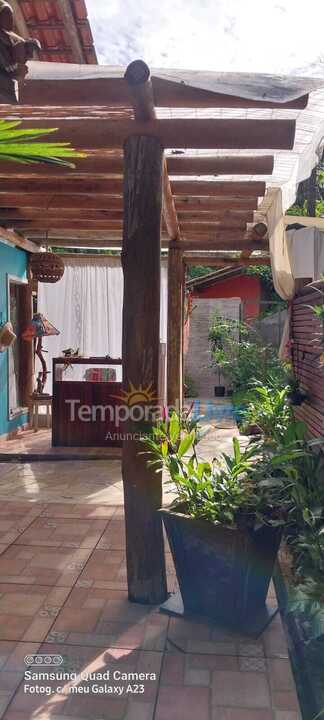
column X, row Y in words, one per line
column 175, row 326
column 141, row 338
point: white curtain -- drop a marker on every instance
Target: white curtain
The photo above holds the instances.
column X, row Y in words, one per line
column 86, row 307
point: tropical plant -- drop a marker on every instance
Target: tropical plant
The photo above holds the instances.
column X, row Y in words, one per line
column 244, row 359
column 21, row 145
column 231, row 490
column 269, row 409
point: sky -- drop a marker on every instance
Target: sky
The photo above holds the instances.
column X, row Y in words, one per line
column 268, row 36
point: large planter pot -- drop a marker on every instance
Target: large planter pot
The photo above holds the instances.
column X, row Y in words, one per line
column 223, row 573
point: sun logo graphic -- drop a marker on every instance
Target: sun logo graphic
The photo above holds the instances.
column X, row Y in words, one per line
column 137, row 395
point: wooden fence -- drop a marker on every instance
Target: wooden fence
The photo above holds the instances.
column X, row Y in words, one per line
column 308, row 356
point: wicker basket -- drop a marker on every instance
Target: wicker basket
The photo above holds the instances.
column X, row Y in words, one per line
column 47, row 267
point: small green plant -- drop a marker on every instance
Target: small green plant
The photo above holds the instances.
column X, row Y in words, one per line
column 269, row 409
column 238, row 351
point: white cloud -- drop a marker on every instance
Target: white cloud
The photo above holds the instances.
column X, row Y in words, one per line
column 228, row 35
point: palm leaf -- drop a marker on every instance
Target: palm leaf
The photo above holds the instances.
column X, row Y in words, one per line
column 19, row 145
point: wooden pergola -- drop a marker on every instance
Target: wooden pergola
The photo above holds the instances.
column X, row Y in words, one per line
column 144, row 172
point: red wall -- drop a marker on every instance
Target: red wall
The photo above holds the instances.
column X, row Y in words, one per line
column 246, row 287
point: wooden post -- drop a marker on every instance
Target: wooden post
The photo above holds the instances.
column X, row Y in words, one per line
column 26, row 348
column 175, row 326
column 141, row 337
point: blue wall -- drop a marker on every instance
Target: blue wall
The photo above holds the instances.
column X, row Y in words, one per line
column 12, row 262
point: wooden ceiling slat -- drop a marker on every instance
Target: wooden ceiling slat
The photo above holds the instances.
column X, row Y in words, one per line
column 189, row 204
column 113, row 92
column 224, row 261
column 178, row 133
column 96, row 165
column 216, row 215
column 69, row 213
column 108, row 202
column 191, row 165
column 54, row 201
column 214, row 187
column 114, row 186
column 201, row 227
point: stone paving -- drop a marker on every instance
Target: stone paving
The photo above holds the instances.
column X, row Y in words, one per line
column 63, row 590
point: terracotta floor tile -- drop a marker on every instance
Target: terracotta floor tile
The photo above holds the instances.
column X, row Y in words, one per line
column 28, row 612
column 240, row 689
column 11, row 509
column 240, row 714
column 175, row 703
column 105, row 567
column 281, row 677
column 12, row 526
column 114, row 536
column 274, row 640
column 285, row 700
column 3, row 548
column 287, row 715
column 91, row 706
column 57, row 532
column 67, row 511
column 42, row 565
column 97, row 616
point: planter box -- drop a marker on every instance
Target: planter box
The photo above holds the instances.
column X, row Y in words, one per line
column 307, row 656
column 223, row 573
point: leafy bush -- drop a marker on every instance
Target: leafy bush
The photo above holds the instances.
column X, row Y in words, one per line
column 242, row 356
column 229, row 491
column 269, row 409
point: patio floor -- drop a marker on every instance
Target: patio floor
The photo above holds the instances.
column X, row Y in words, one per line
column 63, row 590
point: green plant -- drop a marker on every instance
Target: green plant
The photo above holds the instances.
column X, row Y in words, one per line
column 19, row 145
column 189, row 387
column 231, row 490
column 242, row 356
column 269, row 409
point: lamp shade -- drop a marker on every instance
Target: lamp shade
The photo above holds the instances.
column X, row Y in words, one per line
column 39, row 327
column 47, row 267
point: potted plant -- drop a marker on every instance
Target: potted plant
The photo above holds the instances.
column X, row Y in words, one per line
column 223, row 529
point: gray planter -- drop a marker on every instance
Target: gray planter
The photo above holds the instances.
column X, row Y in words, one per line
column 223, row 573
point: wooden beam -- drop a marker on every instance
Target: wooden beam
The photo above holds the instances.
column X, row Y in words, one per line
column 63, row 185
column 214, row 187
column 58, row 201
column 70, row 27
column 204, row 243
column 215, row 203
column 216, row 215
column 18, row 240
column 114, row 186
column 47, row 224
column 175, row 326
column 194, row 133
column 228, row 235
column 138, row 78
column 103, row 202
column 96, row 86
column 317, row 222
column 141, row 342
column 99, row 165
column 195, row 165
column 69, row 213
column 224, row 261
column 208, row 227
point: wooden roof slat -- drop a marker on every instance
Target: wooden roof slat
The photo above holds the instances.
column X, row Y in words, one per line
column 55, row 201
column 114, row 186
column 194, row 165
column 96, row 165
column 215, row 202
column 109, row 202
column 214, row 187
column 177, row 133
column 102, row 89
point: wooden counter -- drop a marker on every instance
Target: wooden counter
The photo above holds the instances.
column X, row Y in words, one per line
column 84, row 411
